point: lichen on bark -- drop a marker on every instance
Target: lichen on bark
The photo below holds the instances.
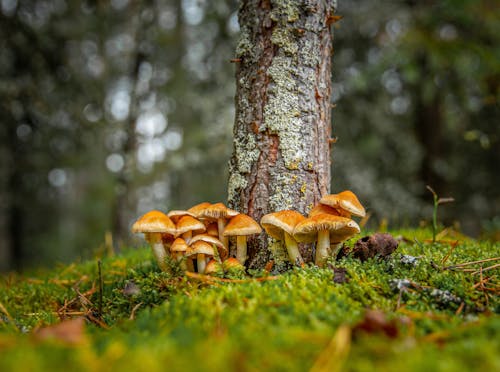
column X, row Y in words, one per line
column 281, row 156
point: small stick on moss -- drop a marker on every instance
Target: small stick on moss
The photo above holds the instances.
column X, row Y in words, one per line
column 471, row 263
column 481, row 270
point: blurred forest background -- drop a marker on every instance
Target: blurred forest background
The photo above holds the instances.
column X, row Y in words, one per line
column 111, row 108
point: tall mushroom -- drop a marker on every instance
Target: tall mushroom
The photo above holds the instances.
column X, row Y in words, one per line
column 326, row 229
column 153, row 224
column 241, row 226
column 280, row 226
column 346, row 202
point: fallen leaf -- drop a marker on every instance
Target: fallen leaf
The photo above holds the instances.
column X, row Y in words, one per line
column 71, row 332
column 375, row 321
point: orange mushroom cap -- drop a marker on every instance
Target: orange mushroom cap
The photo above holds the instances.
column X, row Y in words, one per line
column 277, row 222
column 340, row 228
column 345, row 200
column 154, row 222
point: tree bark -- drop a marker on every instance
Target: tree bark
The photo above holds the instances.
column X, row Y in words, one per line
column 281, row 154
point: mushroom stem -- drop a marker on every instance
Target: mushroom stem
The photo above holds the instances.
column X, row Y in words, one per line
column 156, row 243
column 201, row 263
column 335, row 249
column 293, row 250
column 322, row 247
column 241, row 248
column 187, row 236
column 221, row 224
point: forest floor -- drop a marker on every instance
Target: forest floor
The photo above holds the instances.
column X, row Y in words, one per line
column 426, row 307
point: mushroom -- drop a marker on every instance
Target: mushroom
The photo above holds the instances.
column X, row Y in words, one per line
column 178, row 250
column 201, row 249
column 232, row 266
column 326, row 229
column 214, row 268
column 280, row 226
column 212, row 229
column 177, row 214
column 219, row 212
column 196, row 209
column 241, row 226
column 346, row 202
column 153, row 224
column 188, row 225
column 212, row 240
column 322, row 208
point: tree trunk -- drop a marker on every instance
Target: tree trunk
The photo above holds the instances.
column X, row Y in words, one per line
column 281, row 155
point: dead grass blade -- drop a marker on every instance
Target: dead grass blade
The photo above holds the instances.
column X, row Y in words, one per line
column 334, row 355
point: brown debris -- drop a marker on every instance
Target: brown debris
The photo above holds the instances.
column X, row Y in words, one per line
column 340, row 275
column 71, row 332
column 376, row 245
column 375, row 321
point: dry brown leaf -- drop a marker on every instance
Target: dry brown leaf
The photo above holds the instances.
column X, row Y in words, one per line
column 71, row 332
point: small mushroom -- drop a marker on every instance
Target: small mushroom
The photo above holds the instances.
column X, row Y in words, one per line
column 241, row 226
column 326, row 229
column 220, row 213
column 212, row 240
column 188, row 225
column 178, row 250
column 153, row 224
column 232, row 266
column 214, row 268
column 346, row 202
column 280, row 226
column 201, row 249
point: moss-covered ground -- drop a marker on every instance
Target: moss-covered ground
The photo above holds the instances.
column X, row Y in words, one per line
column 429, row 316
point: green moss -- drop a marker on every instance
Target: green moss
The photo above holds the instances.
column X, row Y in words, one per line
column 280, row 324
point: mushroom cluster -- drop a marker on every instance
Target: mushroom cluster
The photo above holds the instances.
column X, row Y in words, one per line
column 328, row 224
column 198, row 237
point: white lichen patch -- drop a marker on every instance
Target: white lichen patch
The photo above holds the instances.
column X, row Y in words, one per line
column 246, row 153
column 283, row 192
column 308, row 52
column 282, row 109
column 244, row 47
column 285, row 10
column 285, row 39
column 236, row 183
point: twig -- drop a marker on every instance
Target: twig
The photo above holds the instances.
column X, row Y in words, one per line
column 471, row 263
column 486, row 269
column 208, row 278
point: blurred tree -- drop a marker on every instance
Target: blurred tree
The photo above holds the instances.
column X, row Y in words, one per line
column 281, row 156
